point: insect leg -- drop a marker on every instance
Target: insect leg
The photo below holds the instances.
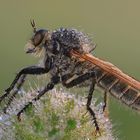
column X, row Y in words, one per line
column 29, row 70
column 77, row 80
column 105, row 101
column 34, row 70
column 20, row 83
column 92, row 113
column 55, row 80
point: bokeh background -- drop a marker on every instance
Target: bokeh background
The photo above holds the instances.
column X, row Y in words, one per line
column 113, row 25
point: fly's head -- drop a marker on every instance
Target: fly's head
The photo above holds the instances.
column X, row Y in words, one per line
column 36, row 45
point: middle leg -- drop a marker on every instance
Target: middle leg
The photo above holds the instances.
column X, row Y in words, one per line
column 54, row 80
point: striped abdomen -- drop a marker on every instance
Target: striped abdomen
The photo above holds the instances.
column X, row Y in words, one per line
column 119, row 89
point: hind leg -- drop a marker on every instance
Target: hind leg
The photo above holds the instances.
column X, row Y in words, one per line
column 79, row 80
column 92, row 113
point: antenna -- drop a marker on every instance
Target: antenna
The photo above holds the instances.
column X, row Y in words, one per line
column 33, row 25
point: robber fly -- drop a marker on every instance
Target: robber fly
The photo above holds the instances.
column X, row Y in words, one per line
column 67, row 58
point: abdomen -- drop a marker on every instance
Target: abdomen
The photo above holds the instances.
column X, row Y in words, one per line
column 119, row 89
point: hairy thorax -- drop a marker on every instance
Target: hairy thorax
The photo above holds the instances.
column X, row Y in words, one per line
column 72, row 38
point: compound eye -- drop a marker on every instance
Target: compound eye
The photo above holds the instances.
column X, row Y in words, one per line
column 37, row 39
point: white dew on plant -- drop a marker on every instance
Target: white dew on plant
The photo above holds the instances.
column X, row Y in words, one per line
column 57, row 115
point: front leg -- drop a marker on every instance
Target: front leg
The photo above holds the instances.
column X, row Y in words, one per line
column 29, row 70
column 19, row 85
column 33, row 70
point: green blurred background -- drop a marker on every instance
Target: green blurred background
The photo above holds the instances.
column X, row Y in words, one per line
column 113, row 25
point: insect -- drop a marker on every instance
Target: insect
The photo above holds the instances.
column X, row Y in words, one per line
column 67, row 58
